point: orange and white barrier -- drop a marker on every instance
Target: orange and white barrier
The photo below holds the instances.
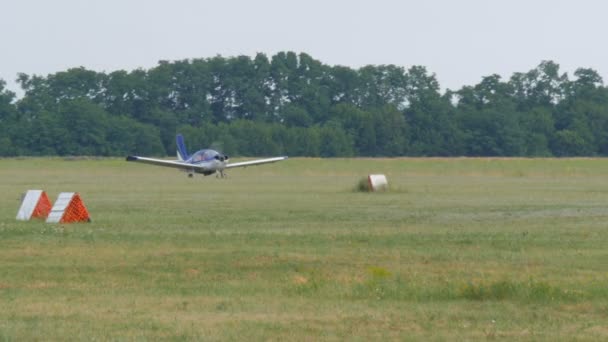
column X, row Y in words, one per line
column 35, row 204
column 68, row 208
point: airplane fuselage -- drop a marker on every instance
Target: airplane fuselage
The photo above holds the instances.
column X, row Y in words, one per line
column 208, row 167
column 208, row 162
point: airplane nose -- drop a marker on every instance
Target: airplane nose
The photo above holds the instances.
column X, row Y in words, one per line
column 221, row 157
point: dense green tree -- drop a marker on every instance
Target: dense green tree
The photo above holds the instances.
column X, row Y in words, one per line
column 489, row 120
column 293, row 104
column 344, row 85
column 358, row 125
column 85, row 126
column 302, row 142
column 334, row 141
column 295, row 116
column 7, row 109
column 538, row 128
column 253, row 138
column 432, row 130
column 8, row 116
column 392, row 132
column 581, row 118
column 382, row 85
column 543, row 86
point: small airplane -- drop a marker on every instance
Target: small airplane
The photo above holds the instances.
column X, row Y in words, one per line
column 206, row 161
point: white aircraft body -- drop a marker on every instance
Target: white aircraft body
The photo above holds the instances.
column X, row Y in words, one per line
column 206, row 161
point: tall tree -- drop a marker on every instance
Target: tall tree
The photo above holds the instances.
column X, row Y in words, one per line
column 8, row 116
column 432, row 130
column 582, row 117
column 489, row 120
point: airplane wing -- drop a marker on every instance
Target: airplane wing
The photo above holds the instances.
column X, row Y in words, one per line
column 255, row 162
column 168, row 163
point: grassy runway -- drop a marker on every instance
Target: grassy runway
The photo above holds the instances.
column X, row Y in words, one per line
column 459, row 249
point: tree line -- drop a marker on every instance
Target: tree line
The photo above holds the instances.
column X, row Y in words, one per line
column 293, row 104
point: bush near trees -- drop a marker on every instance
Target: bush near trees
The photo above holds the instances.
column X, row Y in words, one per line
column 293, row 104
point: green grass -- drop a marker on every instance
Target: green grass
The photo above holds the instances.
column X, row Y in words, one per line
column 458, row 249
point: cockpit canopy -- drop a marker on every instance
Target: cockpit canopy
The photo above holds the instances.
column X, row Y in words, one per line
column 207, row 155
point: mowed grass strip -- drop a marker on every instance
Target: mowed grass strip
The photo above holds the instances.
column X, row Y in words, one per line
column 457, row 249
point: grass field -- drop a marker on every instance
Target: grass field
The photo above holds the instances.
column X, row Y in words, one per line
column 458, row 249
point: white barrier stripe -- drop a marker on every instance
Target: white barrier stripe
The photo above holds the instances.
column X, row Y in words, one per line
column 28, row 205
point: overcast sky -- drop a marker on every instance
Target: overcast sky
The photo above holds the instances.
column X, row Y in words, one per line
column 461, row 41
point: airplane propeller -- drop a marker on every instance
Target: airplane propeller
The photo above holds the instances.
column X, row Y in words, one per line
column 221, row 157
column 218, row 146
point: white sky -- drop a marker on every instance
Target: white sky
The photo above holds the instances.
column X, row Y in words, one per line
column 460, row 41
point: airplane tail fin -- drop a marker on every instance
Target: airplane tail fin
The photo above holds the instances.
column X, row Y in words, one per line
column 182, row 153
